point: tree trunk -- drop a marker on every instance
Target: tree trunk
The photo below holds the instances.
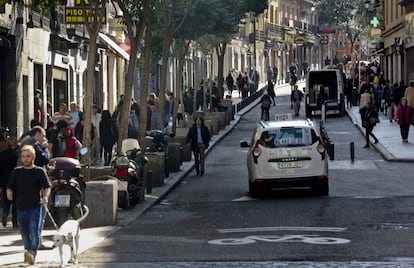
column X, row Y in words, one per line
column 135, row 38
column 88, row 96
column 164, row 68
column 221, row 51
column 178, row 92
column 144, row 85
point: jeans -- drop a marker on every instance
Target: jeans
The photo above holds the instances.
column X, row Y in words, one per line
column 199, row 157
column 29, row 225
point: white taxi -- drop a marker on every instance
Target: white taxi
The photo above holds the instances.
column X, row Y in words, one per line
column 287, row 154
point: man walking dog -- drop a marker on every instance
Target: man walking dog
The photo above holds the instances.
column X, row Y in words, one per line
column 27, row 181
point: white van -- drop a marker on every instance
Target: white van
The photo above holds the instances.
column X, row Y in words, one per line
column 329, row 81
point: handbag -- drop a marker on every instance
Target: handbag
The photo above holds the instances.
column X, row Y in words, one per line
column 373, row 120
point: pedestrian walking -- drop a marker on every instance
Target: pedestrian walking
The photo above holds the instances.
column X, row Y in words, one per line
column 62, row 114
column 8, row 160
column 265, row 107
column 391, row 101
column 230, row 83
column 29, row 184
column 107, row 136
column 96, row 155
column 403, row 117
column 269, row 73
column 296, row 98
column 240, row 83
column 409, row 94
column 369, row 121
column 37, row 138
column 199, row 137
column 271, row 91
column 75, row 113
column 275, row 74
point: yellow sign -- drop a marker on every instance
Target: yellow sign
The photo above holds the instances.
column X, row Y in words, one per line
column 300, row 40
column 77, row 15
column 79, row 2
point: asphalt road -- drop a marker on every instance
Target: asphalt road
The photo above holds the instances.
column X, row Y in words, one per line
column 211, row 220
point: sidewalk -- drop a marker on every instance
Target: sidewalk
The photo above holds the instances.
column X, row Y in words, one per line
column 390, row 145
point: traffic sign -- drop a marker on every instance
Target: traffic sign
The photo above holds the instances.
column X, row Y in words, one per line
column 324, row 41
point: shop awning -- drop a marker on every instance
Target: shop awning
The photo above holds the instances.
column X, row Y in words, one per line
column 114, row 46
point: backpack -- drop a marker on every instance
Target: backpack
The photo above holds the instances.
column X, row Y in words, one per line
column 266, row 103
column 60, row 145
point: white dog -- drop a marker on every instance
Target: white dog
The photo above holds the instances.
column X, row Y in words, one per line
column 68, row 234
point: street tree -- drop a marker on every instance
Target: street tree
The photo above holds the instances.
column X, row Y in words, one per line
column 349, row 15
column 171, row 17
column 223, row 20
column 135, row 14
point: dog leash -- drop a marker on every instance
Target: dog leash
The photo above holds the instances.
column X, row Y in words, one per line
column 50, row 216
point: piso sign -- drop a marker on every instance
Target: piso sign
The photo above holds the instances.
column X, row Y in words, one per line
column 83, row 12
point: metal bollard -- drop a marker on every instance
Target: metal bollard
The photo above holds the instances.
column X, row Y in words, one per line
column 352, row 148
column 181, row 155
column 166, row 169
column 323, row 114
column 331, row 150
column 149, row 182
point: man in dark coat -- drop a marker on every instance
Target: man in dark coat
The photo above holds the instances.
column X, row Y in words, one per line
column 8, row 160
column 199, row 137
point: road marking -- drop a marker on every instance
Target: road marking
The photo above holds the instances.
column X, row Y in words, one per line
column 282, row 228
column 347, row 164
column 307, row 239
column 243, row 199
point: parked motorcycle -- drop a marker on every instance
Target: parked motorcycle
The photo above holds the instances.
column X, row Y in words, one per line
column 129, row 170
column 67, row 191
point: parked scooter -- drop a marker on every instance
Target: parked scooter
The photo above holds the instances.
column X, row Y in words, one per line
column 129, row 170
column 68, row 189
column 155, row 141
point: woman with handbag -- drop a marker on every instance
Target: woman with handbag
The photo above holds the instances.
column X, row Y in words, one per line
column 370, row 119
column 403, row 117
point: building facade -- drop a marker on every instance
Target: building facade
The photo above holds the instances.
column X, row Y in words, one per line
column 43, row 63
column 397, row 39
column 285, row 33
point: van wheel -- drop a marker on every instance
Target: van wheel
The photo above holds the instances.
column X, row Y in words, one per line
column 321, row 188
column 253, row 190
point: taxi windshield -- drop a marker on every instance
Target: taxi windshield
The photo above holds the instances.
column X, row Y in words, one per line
column 288, row 137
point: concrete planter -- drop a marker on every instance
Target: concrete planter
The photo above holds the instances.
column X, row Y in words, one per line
column 186, row 153
column 156, row 163
column 101, row 197
column 174, row 156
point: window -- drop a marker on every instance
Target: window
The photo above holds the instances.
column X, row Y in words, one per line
column 288, row 137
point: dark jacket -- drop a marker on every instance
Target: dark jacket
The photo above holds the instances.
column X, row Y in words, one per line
column 192, row 136
column 107, row 132
column 8, row 160
column 42, row 154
